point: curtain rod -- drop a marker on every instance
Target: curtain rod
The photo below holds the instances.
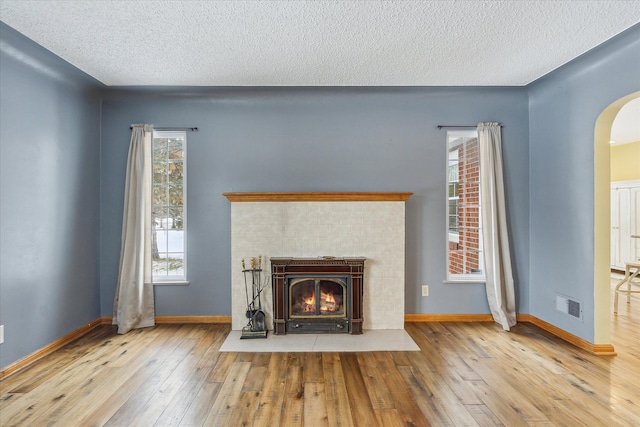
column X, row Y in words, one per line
column 187, row 129
column 465, row 126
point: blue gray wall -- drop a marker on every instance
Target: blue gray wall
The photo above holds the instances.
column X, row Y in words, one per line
column 62, row 187
column 49, row 210
column 314, row 139
column 563, row 109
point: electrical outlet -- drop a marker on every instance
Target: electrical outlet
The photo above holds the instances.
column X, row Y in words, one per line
column 1, row 334
column 425, row 290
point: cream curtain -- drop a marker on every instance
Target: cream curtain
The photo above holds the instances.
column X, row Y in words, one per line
column 133, row 306
column 497, row 257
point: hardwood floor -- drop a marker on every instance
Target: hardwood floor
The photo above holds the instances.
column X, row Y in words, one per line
column 465, row 374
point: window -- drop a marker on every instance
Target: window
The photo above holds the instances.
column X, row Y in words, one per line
column 169, row 207
column 454, row 196
column 464, row 226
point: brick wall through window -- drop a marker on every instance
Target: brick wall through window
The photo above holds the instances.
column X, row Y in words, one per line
column 464, row 254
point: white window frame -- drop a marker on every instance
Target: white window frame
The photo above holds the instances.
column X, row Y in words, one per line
column 176, row 279
column 455, row 237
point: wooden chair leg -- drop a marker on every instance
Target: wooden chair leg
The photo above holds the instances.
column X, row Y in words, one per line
column 628, row 278
column 618, row 289
column 631, row 277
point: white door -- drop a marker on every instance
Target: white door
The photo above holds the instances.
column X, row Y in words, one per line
column 635, row 223
column 625, row 223
column 615, row 227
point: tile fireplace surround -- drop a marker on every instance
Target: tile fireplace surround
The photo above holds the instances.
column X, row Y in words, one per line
column 369, row 225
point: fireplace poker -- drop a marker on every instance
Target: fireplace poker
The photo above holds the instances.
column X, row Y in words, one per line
column 256, row 326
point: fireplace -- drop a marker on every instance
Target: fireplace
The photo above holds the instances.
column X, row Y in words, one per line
column 305, row 225
column 317, row 295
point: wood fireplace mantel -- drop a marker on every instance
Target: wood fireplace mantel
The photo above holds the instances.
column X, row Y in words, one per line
column 319, row 197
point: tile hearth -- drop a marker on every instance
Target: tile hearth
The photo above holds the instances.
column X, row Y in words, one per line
column 370, row 340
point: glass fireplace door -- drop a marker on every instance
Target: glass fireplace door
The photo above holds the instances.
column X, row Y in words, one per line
column 317, row 297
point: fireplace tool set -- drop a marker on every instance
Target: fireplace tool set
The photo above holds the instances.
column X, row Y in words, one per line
column 256, row 327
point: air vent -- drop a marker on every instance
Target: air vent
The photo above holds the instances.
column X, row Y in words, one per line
column 569, row 306
column 574, row 308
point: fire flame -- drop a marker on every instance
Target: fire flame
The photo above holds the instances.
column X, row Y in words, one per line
column 329, row 298
column 309, row 303
column 327, row 301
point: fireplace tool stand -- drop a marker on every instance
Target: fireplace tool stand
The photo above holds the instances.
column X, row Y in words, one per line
column 256, row 327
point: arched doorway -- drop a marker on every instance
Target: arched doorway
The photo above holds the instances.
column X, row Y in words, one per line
column 602, row 219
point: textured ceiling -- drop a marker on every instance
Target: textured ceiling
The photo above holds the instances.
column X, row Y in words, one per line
column 319, row 43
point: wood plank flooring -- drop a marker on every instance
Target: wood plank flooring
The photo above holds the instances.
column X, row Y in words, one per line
column 466, row 374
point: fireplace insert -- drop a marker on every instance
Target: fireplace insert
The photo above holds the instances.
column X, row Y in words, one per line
column 317, row 295
column 317, row 303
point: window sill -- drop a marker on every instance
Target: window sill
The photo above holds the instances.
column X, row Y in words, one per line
column 464, row 282
column 171, row 282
